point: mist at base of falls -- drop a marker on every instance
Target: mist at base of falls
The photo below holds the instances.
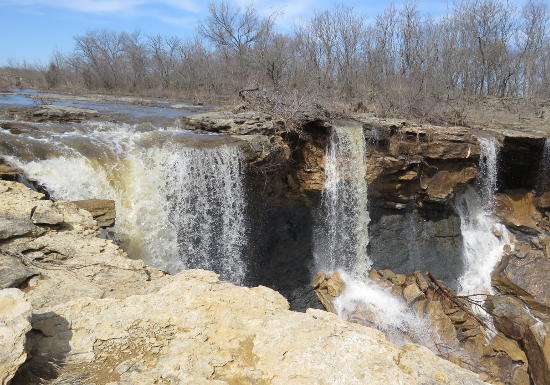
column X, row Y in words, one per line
column 178, row 205
column 366, row 302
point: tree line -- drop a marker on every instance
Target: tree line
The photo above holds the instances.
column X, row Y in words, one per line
column 402, row 60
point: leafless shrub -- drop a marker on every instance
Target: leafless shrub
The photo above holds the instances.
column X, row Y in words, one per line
column 293, row 107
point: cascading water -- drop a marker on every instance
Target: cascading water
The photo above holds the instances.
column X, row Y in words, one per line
column 341, row 241
column 180, row 199
column 341, row 237
column 483, row 243
column 365, row 300
column 483, row 236
column 543, row 180
column 488, row 167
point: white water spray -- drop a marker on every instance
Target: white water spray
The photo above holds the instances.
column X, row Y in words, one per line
column 483, row 236
column 368, row 303
column 483, row 239
column 341, row 237
column 178, row 206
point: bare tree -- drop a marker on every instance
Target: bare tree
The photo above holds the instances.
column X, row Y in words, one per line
column 235, row 29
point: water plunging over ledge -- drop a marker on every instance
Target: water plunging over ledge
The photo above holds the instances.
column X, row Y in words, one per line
column 341, row 233
column 341, row 240
column 179, row 196
column 543, row 179
column 483, row 236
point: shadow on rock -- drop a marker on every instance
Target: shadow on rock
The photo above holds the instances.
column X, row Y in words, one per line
column 48, row 346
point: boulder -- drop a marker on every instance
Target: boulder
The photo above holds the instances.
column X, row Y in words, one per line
column 510, row 315
column 328, row 288
column 531, row 273
column 537, row 345
column 441, row 323
column 15, row 313
column 412, row 293
column 543, row 200
column 13, row 271
column 103, row 210
column 8, row 171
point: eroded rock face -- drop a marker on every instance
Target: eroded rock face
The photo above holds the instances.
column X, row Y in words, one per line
column 206, row 331
column 15, row 313
column 517, row 209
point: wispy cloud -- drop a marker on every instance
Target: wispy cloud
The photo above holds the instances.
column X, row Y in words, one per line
column 288, row 12
column 105, row 6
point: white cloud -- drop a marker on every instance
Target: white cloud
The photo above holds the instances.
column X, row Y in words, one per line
column 105, row 6
column 288, row 12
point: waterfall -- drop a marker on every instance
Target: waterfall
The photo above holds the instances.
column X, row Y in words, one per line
column 341, row 240
column 483, row 239
column 341, row 233
column 206, row 207
column 488, row 170
column 543, row 180
column 483, row 236
column 180, row 198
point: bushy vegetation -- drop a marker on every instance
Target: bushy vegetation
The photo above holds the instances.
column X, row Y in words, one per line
column 402, row 63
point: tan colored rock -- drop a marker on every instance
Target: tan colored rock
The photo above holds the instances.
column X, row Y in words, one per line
column 543, row 200
column 102, row 210
column 440, row 184
column 502, row 344
column 67, row 260
column 412, row 293
column 198, row 330
column 441, row 322
column 517, row 208
column 15, row 313
column 537, row 345
column 14, row 271
column 49, row 112
column 45, row 213
column 7, row 171
column 241, row 123
column 328, row 288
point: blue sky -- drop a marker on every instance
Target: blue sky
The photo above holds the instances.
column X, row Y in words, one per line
column 32, row 29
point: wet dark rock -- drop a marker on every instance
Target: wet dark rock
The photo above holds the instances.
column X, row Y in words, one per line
column 409, row 240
